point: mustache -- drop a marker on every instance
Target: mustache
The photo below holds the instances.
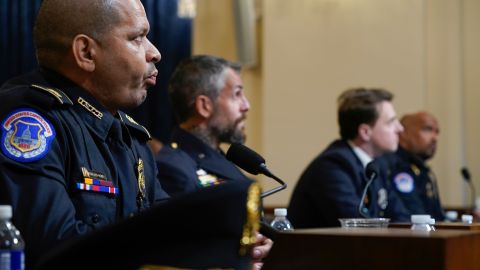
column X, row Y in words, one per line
column 152, row 70
column 242, row 118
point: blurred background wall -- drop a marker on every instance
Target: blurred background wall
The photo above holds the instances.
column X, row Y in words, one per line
column 308, row 51
column 299, row 56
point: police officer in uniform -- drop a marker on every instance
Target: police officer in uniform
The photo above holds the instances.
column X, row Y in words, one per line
column 410, row 175
column 71, row 160
column 211, row 107
column 209, row 102
column 331, row 187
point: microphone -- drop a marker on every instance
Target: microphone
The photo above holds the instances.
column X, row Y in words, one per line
column 371, row 172
column 466, row 176
column 253, row 163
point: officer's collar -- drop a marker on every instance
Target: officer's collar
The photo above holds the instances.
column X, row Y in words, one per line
column 411, row 157
column 195, row 147
column 208, row 158
column 95, row 116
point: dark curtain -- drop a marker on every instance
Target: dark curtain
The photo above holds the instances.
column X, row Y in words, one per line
column 16, row 37
column 170, row 34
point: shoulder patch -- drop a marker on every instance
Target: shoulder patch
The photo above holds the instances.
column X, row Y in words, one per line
column 404, row 182
column 129, row 121
column 26, row 135
column 61, row 97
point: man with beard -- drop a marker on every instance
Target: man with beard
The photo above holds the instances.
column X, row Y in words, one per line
column 209, row 102
column 412, row 178
column 211, row 107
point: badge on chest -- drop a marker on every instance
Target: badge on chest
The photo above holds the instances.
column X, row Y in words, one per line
column 96, row 182
column 205, row 179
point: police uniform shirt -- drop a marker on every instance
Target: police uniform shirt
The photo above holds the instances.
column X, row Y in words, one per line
column 415, row 184
column 188, row 164
column 68, row 165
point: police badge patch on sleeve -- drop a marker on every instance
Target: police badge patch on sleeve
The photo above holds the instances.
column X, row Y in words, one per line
column 26, row 135
column 404, row 182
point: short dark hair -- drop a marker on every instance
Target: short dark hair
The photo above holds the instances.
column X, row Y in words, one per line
column 198, row 75
column 59, row 21
column 358, row 106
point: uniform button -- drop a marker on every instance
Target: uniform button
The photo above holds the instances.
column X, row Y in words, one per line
column 131, row 215
column 95, row 218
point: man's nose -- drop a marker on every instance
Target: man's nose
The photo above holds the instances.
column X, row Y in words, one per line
column 245, row 104
column 152, row 53
column 400, row 128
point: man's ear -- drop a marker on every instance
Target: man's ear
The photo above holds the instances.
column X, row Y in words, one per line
column 84, row 52
column 365, row 132
column 204, row 106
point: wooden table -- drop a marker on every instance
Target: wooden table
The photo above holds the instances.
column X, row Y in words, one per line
column 442, row 225
column 371, row 248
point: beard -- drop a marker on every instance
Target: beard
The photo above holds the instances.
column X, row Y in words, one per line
column 427, row 154
column 231, row 133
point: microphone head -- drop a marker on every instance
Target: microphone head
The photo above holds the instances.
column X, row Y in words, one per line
column 246, row 158
column 371, row 171
column 466, row 174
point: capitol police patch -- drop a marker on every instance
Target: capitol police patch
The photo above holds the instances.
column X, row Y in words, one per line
column 404, row 182
column 26, row 135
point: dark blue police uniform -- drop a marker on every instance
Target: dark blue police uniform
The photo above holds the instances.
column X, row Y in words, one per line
column 188, row 164
column 68, row 165
column 415, row 184
column 331, row 187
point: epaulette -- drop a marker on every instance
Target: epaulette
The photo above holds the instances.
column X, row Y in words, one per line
column 128, row 120
column 61, row 97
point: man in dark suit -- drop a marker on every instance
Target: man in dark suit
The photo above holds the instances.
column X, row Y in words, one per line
column 211, row 107
column 331, row 187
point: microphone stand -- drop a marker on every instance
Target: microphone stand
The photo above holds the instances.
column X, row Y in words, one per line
column 361, row 205
column 265, row 228
column 266, row 172
column 473, row 194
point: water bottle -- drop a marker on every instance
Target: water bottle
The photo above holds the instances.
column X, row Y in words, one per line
column 11, row 243
column 451, row 216
column 423, row 223
column 467, row 219
column 280, row 222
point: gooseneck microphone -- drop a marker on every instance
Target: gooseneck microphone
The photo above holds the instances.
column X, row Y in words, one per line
column 253, row 163
column 466, row 176
column 371, row 172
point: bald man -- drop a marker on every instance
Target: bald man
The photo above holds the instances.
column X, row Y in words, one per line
column 412, row 178
column 71, row 160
